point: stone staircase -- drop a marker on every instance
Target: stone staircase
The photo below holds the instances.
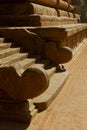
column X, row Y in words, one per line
column 43, row 35
column 13, row 64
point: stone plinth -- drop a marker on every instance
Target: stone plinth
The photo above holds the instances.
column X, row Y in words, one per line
column 35, row 20
column 16, row 111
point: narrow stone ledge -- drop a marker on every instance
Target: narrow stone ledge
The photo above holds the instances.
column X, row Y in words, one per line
column 34, row 20
column 43, row 101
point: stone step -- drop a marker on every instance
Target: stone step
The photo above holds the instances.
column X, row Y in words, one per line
column 53, row 3
column 4, row 45
column 58, row 32
column 8, row 52
column 51, row 71
column 35, row 20
column 62, row 13
column 35, row 72
column 30, row 63
column 26, row 62
column 2, row 40
column 12, row 59
column 37, row 65
column 56, row 84
column 42, row 10
column 24, row 7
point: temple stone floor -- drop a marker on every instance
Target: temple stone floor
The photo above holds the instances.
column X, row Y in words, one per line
column 69, row 110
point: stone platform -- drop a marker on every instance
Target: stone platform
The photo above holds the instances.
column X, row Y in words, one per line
column 13, row 104
column 62, row 110
column 36, row 39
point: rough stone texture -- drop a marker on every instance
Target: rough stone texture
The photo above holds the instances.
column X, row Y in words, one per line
column 39, row 9
column 24, row 5
column 68, row 111
column 57, row 55
column 30, row 79
column 57, row 33
column 29, row 8
column 47, row 49
column 71, row 8
column 63, row 36
column 71, row 15
column 29, row 84
column 53, row 3
column 26, row 9
column 57, row 81
column 29, row 41
column 77, row 16
column 35, row 20
column 73, row 41
column 62, row 13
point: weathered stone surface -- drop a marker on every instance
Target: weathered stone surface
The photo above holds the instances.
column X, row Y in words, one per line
column 71, row 8
column 53, row 3
column 22, row 37
column 46, row 50
column 34, row 20
column 55, row 33
column 62, row 13
column 26, row 9
column 71, row 15
column 73, row 40
column 39, row 9
column 77, row 16
column 2, row 40
column 12, row 59
column 57, row 55
column 56, row 84
column 4, row 45
column 58, row 32
column 24, row 85
column 24, row 6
